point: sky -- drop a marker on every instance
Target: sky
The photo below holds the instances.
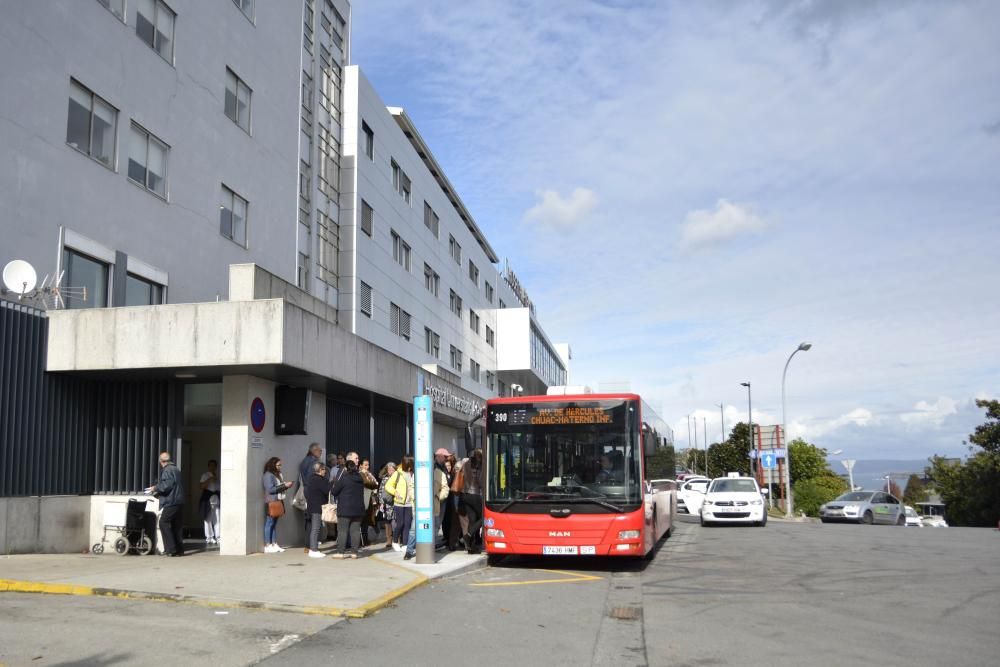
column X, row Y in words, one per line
column 690, row 190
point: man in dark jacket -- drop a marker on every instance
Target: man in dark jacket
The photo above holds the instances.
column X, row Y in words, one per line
column 350, row 494
column 305, row 470
column 317, row 495
column 170, row 490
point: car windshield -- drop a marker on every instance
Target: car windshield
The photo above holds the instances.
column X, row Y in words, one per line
column 856, row 496
column 911, row 512
column 733, row 486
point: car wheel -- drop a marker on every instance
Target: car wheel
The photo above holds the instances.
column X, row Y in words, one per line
column 703, row 519
column 763, row 522
column 824, row 520
column 867, row 517
column 900, row 520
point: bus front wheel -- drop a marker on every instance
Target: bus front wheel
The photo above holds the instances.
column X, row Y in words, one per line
column 494, row 559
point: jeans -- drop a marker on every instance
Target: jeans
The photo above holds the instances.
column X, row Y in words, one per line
column 314, row 527
column 348, row 526
column 473, row 504
column 171, row 528
column 403, row 517
column 270, row 530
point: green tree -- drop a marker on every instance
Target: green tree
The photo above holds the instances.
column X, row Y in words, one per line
column 971, row 491
column 987, row 435
column 661, row 464
column 733, row 455
column 808, row 461
column 813, row 492
column 916, row 490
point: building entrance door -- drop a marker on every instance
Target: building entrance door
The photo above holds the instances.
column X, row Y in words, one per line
column 201, row 444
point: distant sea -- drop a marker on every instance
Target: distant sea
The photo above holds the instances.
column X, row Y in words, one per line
column 870, row 475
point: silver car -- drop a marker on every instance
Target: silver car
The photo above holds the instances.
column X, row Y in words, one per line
column 864, row 507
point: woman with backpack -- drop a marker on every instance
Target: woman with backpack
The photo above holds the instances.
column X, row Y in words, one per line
column 400, row 487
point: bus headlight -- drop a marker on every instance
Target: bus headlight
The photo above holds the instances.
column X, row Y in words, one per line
column 494, row 532
column 628, row 534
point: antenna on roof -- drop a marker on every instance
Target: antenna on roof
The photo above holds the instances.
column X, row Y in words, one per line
column 20, row 278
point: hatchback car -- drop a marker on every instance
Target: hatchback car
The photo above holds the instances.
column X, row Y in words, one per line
column 912, row 518
column 934, row 521
column 734, row 500
column 864, row 507
column 691, row 493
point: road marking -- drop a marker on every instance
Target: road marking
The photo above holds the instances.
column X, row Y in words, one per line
column 572, row 578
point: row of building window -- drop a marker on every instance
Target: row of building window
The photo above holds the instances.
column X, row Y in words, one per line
column 92, row 129
column 401, row 184
column 94, row 276
column 400, row 324
column 154, row 23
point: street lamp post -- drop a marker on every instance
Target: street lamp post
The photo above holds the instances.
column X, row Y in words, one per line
column 755, row 466
column 803, row 347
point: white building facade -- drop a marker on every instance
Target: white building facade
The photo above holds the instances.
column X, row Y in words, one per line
column 246, row 214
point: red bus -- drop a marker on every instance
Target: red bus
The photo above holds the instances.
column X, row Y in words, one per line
column 565, row 476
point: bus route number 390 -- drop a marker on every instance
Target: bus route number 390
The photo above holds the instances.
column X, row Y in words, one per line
column 499, row 417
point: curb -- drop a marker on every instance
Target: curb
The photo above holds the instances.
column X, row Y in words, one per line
column 364, row 611
column 477, row 564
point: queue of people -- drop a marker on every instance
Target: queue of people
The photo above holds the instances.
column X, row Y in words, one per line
column 343, row 495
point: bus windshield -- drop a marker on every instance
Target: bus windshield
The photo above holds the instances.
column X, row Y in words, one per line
column 580, row 452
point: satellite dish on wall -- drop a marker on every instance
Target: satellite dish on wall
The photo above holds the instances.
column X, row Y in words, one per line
column 19, row 277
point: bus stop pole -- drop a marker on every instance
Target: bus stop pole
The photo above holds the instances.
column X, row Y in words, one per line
column 423, row 419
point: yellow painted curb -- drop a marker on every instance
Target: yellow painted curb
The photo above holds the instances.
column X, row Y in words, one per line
column 384, row 600
column 14, row 586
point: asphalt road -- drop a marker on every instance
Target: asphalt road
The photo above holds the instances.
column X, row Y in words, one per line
column 786, row 594
column 66, row 630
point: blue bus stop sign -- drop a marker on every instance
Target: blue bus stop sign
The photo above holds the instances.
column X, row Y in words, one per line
column 423, row 420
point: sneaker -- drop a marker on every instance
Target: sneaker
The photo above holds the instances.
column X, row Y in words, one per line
column 278, row 549
column 269, row 549
column 317, row 554
column 397, row 547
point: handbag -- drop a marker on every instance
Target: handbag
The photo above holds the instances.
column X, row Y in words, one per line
column 275, row 509
column 329, row 512
column 458, row 484
column 299, row 500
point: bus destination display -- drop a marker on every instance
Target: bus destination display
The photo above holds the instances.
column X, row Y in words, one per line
column 562, row 415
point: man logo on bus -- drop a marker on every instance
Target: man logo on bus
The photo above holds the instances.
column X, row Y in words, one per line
column 559, row 533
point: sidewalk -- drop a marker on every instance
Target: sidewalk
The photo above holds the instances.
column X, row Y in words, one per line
column 289, row 581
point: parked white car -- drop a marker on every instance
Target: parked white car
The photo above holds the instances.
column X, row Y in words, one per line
column 691, row 494
column 912, row 518
column 734, row 500
column 934, row 521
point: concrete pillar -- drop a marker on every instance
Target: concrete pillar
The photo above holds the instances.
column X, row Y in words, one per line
column 239, row 535
column 241, row 466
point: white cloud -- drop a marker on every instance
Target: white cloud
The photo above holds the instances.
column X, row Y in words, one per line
column 663, row 107
column 554, row 209
column 704, row 227
column 931, row 413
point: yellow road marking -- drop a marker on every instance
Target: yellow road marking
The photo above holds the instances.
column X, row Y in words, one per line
column 574, row 577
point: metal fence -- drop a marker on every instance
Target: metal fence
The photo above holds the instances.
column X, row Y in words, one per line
column 67, row 435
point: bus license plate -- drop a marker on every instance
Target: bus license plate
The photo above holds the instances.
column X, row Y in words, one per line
column 560, row 551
